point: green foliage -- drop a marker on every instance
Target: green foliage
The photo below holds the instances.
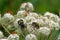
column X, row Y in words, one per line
column 40, row 6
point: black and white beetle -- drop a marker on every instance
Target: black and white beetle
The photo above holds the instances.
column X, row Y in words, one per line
column 22, row 24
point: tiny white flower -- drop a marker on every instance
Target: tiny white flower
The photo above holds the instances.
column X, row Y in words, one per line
column 27, row 6
column 30, row 28
column 1, row 35
column 52, row 16
column 21, row 14
column 7, row 18
column 44, row 30
column 30, row 18
column 43, row 21
column 13, row 37
column 53, row 25
column 43, row 18
column 48, row 14
column 30, row 37
column 33, row 14
column 23, row 6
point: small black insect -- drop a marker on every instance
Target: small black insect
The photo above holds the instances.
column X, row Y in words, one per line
column 21, row 24
column 36, row 25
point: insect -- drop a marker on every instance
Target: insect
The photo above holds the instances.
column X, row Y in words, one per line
column 36, row 25
column 22, row 24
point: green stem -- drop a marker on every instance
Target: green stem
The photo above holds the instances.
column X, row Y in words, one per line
column 5, row 29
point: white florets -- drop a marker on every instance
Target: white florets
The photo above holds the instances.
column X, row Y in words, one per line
column 27, row 6
column 13, row 37
column 21, row 14
column 44, row 30
column 30, row 29
column 30, row 37
column 33, row 14
column 30, row 18
column 48, row 14
column 53, row 25
column 7, row 18
column 22, row 7
column 52, row 16
column 43, row 21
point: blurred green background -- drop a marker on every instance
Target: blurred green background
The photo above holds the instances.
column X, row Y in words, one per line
column 40, row 6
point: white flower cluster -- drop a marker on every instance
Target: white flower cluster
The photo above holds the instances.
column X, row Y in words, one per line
column 30, row 37
column 7, row 18
column 13, row 37
column 27, row 6
column 52, row 16
column 33, row 22
column 44, row 30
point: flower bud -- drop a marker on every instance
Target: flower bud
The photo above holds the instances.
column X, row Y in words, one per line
column 30, row 37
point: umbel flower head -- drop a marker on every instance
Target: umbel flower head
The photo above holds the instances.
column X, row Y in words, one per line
column 44, row 30
column 13, row 36
column 7, row 18
column 33, row 14
column 30, row 37
column 22, row 13
column 52, row 16
column 53, row 25
column 27, row 6
column 29, row 18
